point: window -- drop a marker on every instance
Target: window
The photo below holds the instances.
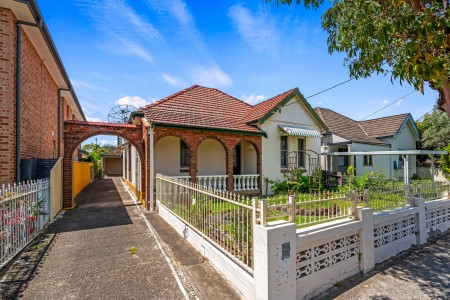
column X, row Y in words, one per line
column 184, row 156
column 284, row 150
column 301, row 154
column 368, row 160
column 342, row 160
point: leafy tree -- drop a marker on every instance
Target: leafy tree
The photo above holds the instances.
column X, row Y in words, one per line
column 94, row 155
column 434, row 130
column 408, row 39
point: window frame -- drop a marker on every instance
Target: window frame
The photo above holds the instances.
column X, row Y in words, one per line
column 284, row 141
column 368, row 160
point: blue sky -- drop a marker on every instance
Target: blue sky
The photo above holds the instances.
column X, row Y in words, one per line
column 136, row 52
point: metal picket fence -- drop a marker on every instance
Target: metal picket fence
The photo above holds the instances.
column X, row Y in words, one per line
column 25, row 210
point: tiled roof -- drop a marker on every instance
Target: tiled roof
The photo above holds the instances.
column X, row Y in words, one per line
column 260, row 110
column 345, row 127
column 385, row 126
column 199, row 106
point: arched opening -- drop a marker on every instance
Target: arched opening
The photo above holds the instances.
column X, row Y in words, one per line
column 211, row 164
column 172, row 157
column 245, row 167
column 132, row 164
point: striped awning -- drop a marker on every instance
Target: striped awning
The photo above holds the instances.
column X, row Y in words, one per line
column 298, row 131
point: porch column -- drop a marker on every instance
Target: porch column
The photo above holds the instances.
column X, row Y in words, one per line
column 229, row 169
column 193, row 163
column 259, row 168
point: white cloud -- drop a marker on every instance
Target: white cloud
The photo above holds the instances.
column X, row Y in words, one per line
column 385, row 101
column 122, row 27
column 93, row 119
column 399, row 102
column 253, row 99
column 172, row 80
column 258, row 30
column 108, row 142
column 210, row 76
column 135, row 101
column 82, row 84
column 179, row 11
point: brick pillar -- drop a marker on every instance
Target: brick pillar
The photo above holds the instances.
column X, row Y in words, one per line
column 259, row 167
column 229, row 169
column 193, row 163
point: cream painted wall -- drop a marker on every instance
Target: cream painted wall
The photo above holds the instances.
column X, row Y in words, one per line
column 248, row 159
column 132, row 161
column 167, row 157
column 404, row 140
column 381, row 163
column 112, row 166
column 211, row 158
column 295, row 115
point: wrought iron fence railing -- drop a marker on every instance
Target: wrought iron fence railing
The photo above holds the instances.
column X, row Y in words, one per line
column 25, row 210
column 224, row 218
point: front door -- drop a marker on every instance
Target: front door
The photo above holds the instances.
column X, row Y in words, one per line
column 237, row 160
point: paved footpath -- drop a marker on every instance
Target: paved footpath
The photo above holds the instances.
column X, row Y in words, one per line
column 106, row 248
column 420, row 274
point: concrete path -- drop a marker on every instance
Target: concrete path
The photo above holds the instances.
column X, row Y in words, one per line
column 420, row 274
column 106, row 249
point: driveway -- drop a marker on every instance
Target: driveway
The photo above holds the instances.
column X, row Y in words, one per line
column 106, row 249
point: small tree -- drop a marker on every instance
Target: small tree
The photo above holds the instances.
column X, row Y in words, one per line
column 434, row 130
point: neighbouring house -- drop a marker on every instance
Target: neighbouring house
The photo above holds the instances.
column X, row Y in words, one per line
column 207, row 136
column 391, row 133
column 36, row 97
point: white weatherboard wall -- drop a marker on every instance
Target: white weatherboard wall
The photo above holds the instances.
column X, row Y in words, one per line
column 294, row 114
column 240, row 279
column 211, row 158
column 404, row 140
column 381, row 163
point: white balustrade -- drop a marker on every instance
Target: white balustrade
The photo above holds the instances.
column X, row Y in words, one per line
column 245, row 182
column 216, row 182
column 182, row 178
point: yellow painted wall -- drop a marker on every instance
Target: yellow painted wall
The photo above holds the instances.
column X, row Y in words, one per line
column 81, row 174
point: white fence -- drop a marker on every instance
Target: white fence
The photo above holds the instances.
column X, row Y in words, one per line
column 299, row 263
column 25, row 210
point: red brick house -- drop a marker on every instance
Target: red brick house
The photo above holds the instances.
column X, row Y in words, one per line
column 207, row 136
column 36, row 96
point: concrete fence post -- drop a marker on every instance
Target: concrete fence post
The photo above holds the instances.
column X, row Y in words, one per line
column 274, row 252
column 421, row 221
column 367, row 247
column 292, row 209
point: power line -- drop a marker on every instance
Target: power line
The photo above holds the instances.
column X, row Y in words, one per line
column 425, row 114
column 323, row 91
column 334, row 86
column 389, row 104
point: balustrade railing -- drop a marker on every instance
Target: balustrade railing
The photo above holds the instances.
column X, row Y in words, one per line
column 215, row 182
column 246, row 182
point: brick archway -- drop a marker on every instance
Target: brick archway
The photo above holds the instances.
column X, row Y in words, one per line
column 75, row 132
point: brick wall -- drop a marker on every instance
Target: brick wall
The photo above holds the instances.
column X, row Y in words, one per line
column 39, row 129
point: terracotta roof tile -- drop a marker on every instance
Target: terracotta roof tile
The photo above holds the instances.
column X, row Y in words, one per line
column 385, row 126
column 345, row 127
column 261, row 109
column 207, row 107
column 203, row 107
